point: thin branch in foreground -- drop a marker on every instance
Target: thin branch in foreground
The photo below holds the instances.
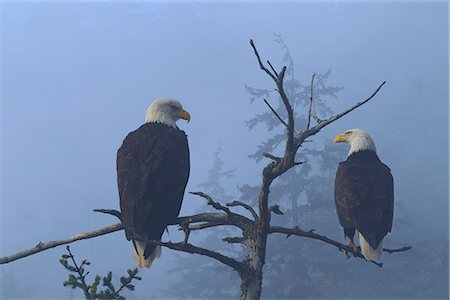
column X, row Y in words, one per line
column 275, row 113
column 310, row 101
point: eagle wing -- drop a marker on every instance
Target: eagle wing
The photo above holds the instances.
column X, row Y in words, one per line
column 152, row 173
column 364, row 198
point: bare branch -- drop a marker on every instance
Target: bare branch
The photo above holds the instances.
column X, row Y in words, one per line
column 272, row 157
column 246, row 206
column 45, row 246
column 211, row 202
column 273, row 69
column 281, row 76
column 112, row 212
column 299, row 139
column 276, row 114
column 210, row 218
column 279, row 82
column 336, row 117
column 310, row 234
column 310, row 101
column 204, row 217
column 184, row 247
column 200, row 226
column 260, row 62
column 234, row 240
column 403, row 249
column 205, row 220
column 289, row 152
column 189, row 248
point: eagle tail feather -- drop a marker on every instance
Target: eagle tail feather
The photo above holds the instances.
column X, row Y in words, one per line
column 368, row 252
column 138, row 254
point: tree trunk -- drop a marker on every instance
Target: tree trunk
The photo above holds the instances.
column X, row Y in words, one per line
column 251, row 275
column 251, row 282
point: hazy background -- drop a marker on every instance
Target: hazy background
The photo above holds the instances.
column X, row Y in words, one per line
column 77, row 77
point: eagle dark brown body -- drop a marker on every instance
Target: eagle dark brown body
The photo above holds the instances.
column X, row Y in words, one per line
column 364, row 196
column 152, row 173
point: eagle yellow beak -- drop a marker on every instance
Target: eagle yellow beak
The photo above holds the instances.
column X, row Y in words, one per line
column 340, row 138
column 182, row 114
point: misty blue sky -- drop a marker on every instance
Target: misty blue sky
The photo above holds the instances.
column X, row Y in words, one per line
column 77, row 77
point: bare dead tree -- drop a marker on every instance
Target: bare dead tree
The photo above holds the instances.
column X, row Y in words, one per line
column 255, row 230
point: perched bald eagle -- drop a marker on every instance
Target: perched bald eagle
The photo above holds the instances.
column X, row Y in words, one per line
column 152, row 173
column 364, row 194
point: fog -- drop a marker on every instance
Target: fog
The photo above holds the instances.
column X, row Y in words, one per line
column 77, row 77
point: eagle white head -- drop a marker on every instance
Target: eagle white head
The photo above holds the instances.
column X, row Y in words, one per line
column 358, row 139
column 166, row 111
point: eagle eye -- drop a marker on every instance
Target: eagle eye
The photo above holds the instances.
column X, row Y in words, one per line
column 348, row 132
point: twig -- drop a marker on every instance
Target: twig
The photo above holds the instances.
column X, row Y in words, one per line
column 246, row 206
column 187, row 231
column 310, row 102
column 272, row 157
column 273, row 69
column 403, row 249
column 276, row 114
column 112, row 212
column 211, row 202
column 274, row 77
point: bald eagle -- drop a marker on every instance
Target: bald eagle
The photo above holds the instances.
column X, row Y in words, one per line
column 364, row 194
column 152, row 173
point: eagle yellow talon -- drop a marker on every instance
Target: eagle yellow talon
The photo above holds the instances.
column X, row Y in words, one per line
column 355, row 249
column 352, row 245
